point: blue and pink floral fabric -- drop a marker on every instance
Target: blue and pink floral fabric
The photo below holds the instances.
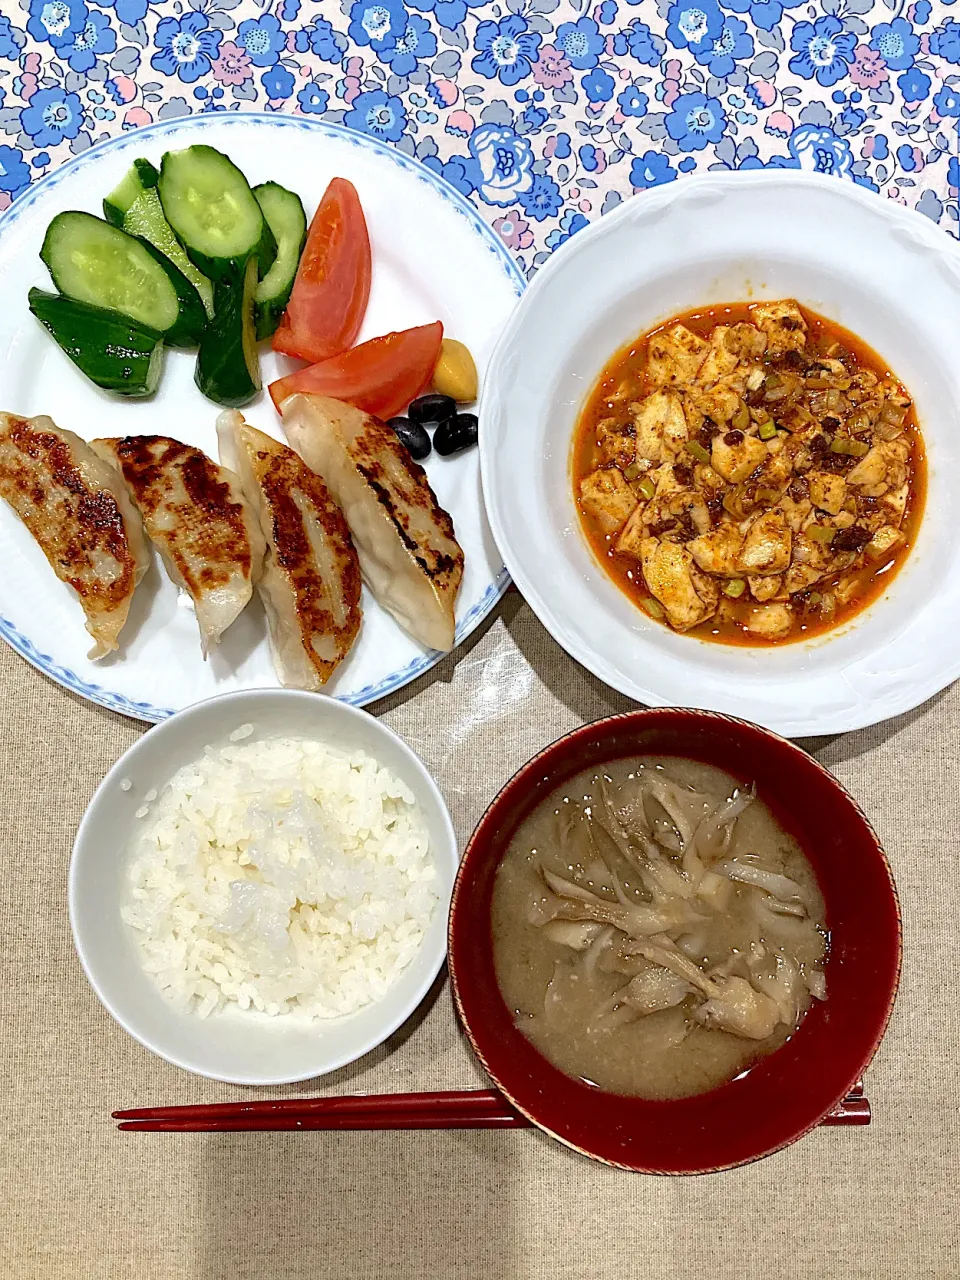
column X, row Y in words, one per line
column 545, row 113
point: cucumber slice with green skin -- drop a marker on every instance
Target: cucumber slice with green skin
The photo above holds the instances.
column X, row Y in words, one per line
column 213, row 212
column 228, row 366
column 288, row 222
column 192, row 320
column 140, row 177
column 111, row 350
column 93, row 262
column 134, row 207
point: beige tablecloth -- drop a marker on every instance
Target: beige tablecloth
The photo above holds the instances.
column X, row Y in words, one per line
column 81, row 1200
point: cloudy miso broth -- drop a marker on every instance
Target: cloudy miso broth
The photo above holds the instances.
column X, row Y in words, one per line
column 656, row 932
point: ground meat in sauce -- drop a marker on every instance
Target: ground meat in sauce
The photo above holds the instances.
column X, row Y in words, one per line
column 823, row 403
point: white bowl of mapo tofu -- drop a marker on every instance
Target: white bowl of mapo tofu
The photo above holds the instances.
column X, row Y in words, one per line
column 724, row 470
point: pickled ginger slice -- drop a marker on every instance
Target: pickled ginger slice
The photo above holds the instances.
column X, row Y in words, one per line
column 194, row 512
column 310, row 583
column 77, row 508
column 408, row 551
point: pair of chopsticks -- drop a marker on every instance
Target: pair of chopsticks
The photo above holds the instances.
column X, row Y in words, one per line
column 480, row 1109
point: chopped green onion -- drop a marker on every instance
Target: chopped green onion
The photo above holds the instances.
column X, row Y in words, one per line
column 767, row 430
column 839, row 445
column 820, row 533
column 858, row 448
column 741, row 419
column 632, row 472
column 653, row 607
column 735, row 587
column 815, row 597
column 647, row 488
column 698, row 451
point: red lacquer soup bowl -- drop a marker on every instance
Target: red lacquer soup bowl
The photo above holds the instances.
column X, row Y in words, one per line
column 788, row 1093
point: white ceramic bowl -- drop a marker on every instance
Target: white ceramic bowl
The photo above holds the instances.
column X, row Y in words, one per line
column 234, row 1046
column 884, row 272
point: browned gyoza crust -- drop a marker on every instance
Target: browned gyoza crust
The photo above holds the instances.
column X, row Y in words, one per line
column 374, row 441
column 280, row 474
column 211, row 541
column 62, row 493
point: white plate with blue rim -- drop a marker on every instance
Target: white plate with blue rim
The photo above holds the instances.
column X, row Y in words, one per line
column 434, row 258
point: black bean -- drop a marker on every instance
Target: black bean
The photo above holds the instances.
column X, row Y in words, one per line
column 452, row 436
column 432, row 408
column 412, row 435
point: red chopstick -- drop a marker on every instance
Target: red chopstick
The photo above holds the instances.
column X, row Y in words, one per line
column 480, row 1109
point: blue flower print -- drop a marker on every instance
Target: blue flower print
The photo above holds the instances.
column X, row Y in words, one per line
column 543, row 200
column 417, row 42
column 327, row 44
column 14, row 174
column 449, row 13
column 944, row 41
column 9, row 48
column 562, row 148
column 262, row 39
column 632, row 102
column 914, row 85
column 379, row 114
column 186, row 48
column 652, row 169
column 507, row 49
column 696, row 120
column 570, row 224
column 823, row 49
column 52, row 116
column 97, row 37
column 581, row 41
column 693, row 24
column 607, row 12
column 277, row 82
column 128, row 11
column 290, row 10
column 56, row 22
column 765, row 14
column 947, row 102
column 588, row 157
column 881, row 148
column 377, row 22
column 462, row 173
column 953, row 172
column 598, row 85
column 312, row 99
column 644, row 45
column 896, row 43
column 505, row 164
column 906, row 158
column 819, row 150
column 732, row 44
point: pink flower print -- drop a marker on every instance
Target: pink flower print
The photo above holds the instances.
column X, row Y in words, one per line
column 125, row 88
column 136, row 117
column 233, row 65
column 779, row 124
column 584, row 206
column 6, row 200
column 672, row 69
column 513, row 231
column 461, row 124
column 552, row 68
column 671, row 92
column 354, row 67
column 351, row 89
column 31, row 64
column 868, row 70
column 444, row 93
column 25, row 86
column 764, row 92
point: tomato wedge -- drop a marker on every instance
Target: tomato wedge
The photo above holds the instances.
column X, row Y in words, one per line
column 330, row 292
column 381, row 376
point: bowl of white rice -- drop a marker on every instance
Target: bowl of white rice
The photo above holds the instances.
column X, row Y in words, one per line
column 259, row 887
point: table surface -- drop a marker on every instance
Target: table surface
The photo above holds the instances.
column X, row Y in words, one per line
column 545, row 114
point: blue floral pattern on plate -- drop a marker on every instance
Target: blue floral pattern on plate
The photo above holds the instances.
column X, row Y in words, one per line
column 544, row 113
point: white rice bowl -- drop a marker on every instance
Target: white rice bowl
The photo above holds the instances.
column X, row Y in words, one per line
column 282, row 875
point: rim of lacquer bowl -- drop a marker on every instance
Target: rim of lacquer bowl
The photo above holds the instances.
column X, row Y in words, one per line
column 552, row 1100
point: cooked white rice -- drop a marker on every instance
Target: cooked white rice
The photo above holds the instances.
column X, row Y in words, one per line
column 281, row 875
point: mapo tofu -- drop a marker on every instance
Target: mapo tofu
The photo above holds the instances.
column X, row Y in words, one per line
column 750, row 473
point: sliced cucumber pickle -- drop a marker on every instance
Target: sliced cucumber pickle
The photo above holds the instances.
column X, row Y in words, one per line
column 228, row 366
column 214, row 214
column 111, row 350
column 287, row 221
